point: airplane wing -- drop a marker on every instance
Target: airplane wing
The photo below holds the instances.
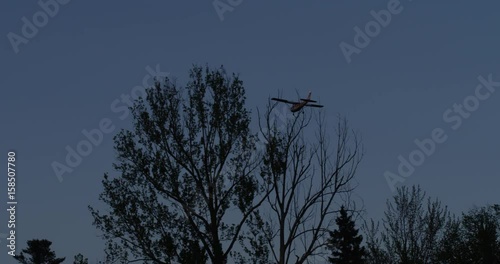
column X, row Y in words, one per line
column 284, row 101
column 309, row 100
column 314, row 105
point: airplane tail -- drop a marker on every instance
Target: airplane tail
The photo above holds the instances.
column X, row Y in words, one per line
column 308, row 99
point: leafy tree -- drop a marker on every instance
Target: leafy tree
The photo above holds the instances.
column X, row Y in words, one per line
column 473, row 239
column 412, row 228
column 79, row 259
column 38, row 252
column 186, row 186
column 482, row 228
column 345, row 243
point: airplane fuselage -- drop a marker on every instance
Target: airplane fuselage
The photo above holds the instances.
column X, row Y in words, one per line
column 297, row 107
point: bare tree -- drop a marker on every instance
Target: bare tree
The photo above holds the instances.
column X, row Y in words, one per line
column 412, row 228
column 307, row 175
column 374, row 244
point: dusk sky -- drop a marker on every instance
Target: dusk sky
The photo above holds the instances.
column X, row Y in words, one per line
column 432, row 69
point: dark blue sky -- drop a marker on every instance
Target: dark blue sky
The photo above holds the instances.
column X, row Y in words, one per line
column 395, row 90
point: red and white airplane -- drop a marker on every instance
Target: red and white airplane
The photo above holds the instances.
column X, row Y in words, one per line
column 296, row 106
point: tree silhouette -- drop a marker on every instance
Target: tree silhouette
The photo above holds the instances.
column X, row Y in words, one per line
column 481, row 228
column 473, row 239
column 376, row 253
column 453, row 248
column 345, row 243
column 412, row 228
column 184, row 167
column 307, row 175
column 79, row 259
column 38, row 252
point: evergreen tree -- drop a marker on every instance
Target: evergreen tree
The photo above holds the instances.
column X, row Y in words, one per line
column 38, row 252
column 345, row 243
